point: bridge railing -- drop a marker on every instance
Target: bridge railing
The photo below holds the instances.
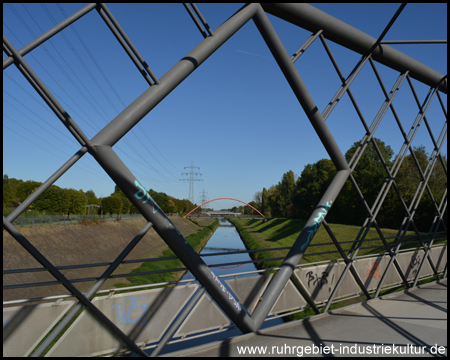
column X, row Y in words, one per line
column 128, row 318
column 309, row 288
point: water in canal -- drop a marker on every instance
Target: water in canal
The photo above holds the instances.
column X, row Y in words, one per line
column 225, row 237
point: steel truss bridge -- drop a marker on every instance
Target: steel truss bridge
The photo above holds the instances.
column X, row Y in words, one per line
column 138, row 320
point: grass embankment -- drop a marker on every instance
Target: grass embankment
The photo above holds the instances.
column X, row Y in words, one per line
column 197, row 241
column 276, row 233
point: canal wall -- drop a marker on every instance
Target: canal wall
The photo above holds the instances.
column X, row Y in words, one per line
column 83, row 244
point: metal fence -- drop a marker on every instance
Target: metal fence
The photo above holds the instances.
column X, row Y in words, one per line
column 40, row 220
column 244, row 315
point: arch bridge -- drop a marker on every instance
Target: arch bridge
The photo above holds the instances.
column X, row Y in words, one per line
column 223, row 198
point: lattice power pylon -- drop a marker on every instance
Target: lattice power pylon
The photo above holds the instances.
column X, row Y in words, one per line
column 192, row 177
column 323, row 28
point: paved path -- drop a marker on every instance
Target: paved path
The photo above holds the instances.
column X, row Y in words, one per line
column 405, row 323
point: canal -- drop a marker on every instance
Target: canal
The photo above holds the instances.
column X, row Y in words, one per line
column 226, row 238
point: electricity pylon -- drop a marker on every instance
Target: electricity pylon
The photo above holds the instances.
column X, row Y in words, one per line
column 204, row 198
column 191, row 180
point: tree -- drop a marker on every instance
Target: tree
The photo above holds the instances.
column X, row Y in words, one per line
column 172, row 208
column 112, row 205
column 7, row 192
column 161, row 199
column 91, row 199
column 265, row 207
column 25, row 189
column 77, row 201
column 257, row 199
column 54, row 199
column 311, row 185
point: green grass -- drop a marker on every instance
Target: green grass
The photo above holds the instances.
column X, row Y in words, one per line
column 197, row 241
column 275, row 233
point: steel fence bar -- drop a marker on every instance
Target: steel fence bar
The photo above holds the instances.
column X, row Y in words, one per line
column 202, row 19
column 127, row 45
column 301, row 243
column 131, row 115
column 372, row 220
column 427, row 252
column 442, row 103
column 375, row 123
column 305, row 46
column 46, row 95
column 51, row 180
column 178, row 321
column 345, row 258
column 47, row 35
column 386, row 29
column 419, row 105
column 342, row 90
column 92, row 308
column 401, row 129
column 313, row 19
column 78, row 306
column 305, row 295
column 202, row 31
column 414, row 205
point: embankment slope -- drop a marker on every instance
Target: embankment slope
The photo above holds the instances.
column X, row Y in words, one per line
column 81, row 244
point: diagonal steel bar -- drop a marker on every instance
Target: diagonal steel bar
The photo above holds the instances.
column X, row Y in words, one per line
column 191, row 14
column 409, row 218
column 413, row 155
column 46, row 95
column 429, row 130
column 347, row 262
column 50, row 181
column 202, row 19
column 78, row 306
column 53, row 31
column 67, row 284
column 178, row 321
column 127, row 45
column 131, row 115
column 312, row 19
column 131, row 187
column 300, row 245
column 305, row 46
column 435, row 225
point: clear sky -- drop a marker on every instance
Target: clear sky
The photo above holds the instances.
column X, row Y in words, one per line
column 235, row 117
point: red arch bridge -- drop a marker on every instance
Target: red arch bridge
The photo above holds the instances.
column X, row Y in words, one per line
column 223, row 198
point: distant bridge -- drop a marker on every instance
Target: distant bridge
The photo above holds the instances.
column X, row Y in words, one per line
column 222, row 213
column 224, row 198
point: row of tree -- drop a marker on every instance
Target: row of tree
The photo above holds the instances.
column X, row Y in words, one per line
column 297, row 196
column 56, row 200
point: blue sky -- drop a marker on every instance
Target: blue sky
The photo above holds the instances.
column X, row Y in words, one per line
column 235, row 117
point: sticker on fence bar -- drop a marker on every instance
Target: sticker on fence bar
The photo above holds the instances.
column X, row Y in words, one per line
column 143, row 315
column 25, row 326
column 319, row 281
column 205, row 315
column 249, row 289
column 371, row 271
